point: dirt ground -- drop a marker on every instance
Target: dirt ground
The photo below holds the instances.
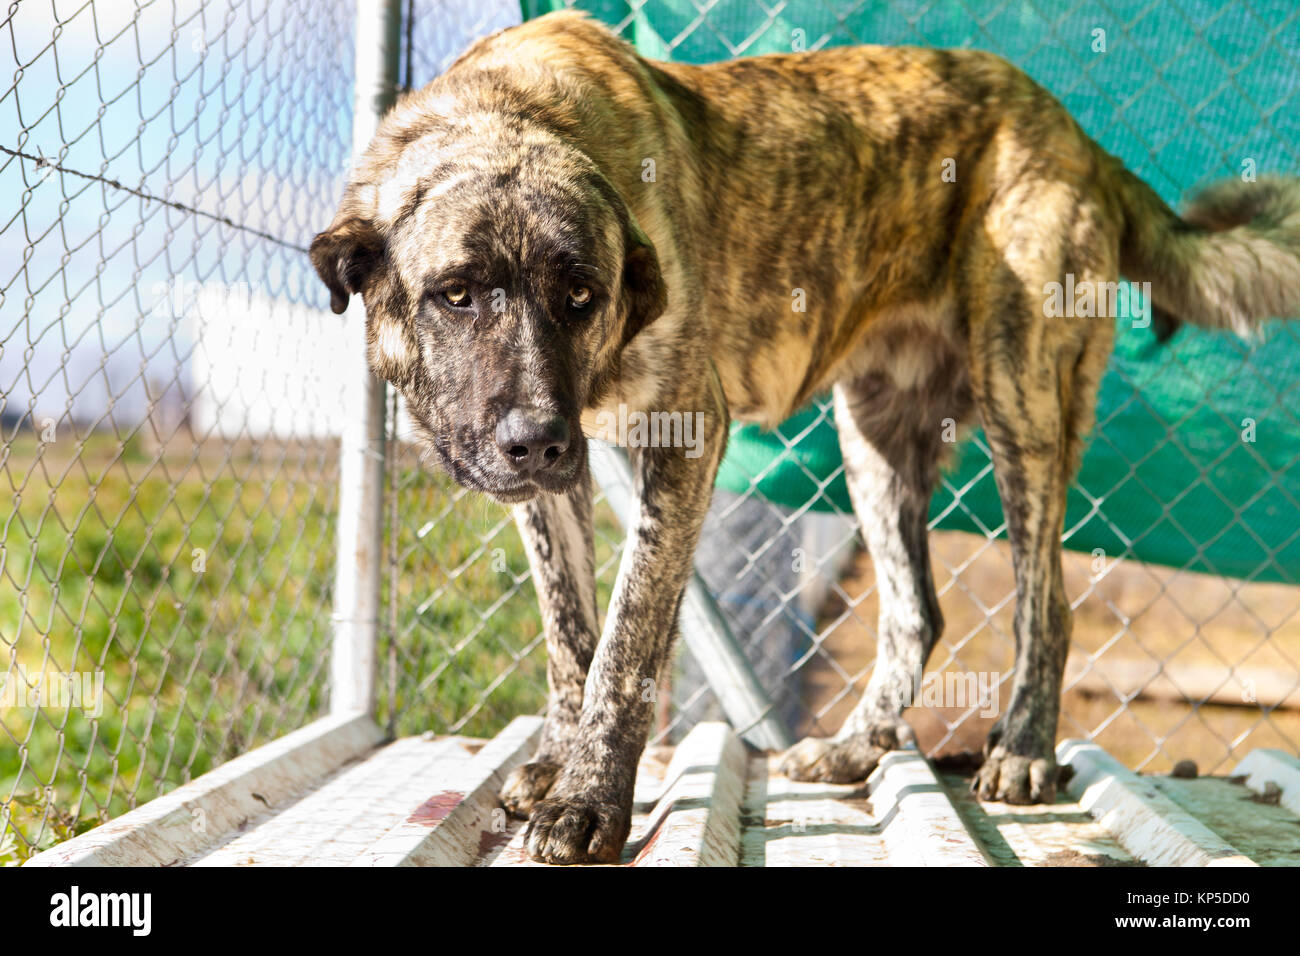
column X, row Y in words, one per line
column 1164, row 665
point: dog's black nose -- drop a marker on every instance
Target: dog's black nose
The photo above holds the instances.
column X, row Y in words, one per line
column 532, row 440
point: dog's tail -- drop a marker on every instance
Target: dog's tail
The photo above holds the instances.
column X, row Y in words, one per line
column 1230, row 261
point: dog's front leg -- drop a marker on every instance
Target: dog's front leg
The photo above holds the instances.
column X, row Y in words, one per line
column 557, row 534
column 588, row 813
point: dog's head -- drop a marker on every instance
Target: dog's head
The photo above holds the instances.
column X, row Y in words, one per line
column 501, row 281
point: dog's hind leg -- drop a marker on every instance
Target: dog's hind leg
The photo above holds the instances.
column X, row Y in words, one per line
column 557, row 534
column 1020, row 405
column 892, row 440
column 1035, row 388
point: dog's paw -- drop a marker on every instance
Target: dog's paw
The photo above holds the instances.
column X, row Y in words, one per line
column 831, row 761
column 527, row 785
column 577, row 830
column 847, row 758
column 1011, row 778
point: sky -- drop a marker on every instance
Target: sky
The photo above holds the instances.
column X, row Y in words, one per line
column 243, row 112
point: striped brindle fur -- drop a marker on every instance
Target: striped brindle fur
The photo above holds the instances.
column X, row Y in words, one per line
column 557, row 227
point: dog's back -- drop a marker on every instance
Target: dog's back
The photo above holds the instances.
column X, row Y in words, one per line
column 821, row 193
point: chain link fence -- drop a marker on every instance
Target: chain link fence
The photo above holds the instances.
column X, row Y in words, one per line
column 170, row 409
column 168, row 470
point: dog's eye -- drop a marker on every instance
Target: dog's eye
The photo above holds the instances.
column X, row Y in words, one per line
column 579, row 297
column 457, row 296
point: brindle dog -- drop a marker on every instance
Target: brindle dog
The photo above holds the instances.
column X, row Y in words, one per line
column 557, row 226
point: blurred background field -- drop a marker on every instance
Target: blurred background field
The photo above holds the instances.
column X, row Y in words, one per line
column 109, row 583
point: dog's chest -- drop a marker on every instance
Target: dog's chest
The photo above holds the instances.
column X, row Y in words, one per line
column 911, row 348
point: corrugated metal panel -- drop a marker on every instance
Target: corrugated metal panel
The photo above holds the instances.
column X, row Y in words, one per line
column 334, row 797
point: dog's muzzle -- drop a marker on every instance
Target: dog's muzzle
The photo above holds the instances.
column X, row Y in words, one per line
column 532, row 441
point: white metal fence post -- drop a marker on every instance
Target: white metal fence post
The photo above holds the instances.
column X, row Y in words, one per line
column 361, row 450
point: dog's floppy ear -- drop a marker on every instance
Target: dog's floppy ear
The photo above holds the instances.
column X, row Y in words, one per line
column 344, row 256
column 644, row 290
column 645, row 296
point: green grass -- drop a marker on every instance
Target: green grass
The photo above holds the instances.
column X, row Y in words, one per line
column 466, row 654
column 98, row 573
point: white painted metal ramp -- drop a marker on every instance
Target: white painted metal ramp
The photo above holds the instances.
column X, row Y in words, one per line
column 333, row 794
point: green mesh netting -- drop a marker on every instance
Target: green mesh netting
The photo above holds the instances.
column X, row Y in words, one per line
column 1185, row 93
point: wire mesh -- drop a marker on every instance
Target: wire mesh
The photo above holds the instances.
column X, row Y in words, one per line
column 169, row 413
column 165, row 392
